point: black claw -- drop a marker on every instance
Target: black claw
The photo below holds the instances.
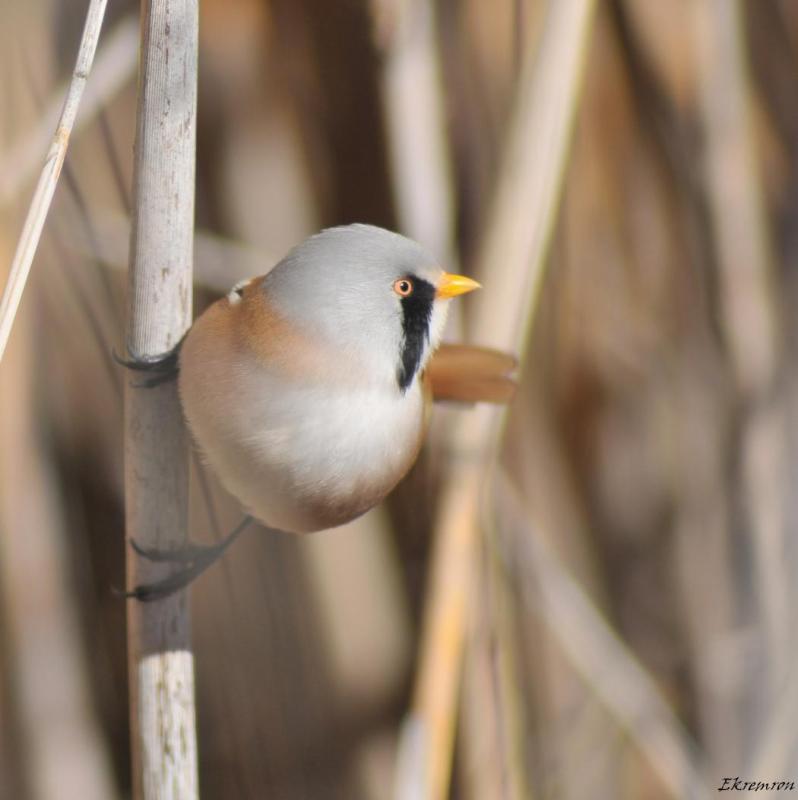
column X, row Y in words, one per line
column 196, row 558
column 162, row 368
column 186, row 554
column 156, row 380
column 158, row 590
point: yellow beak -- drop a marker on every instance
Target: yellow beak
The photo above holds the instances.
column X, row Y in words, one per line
column 452, row 285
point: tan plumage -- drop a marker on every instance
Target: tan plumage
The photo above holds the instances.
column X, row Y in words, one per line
column 463, row 373
column 303, row 388
column 234, row 351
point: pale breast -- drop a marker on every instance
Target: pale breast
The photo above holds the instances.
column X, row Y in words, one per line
column 301, row 454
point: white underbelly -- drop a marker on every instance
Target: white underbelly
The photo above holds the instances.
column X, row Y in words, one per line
column 311, row 459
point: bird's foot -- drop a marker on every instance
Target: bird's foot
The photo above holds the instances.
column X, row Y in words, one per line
column 186, row 554
column 160, row 369
column 194, row 559
column 158, row 590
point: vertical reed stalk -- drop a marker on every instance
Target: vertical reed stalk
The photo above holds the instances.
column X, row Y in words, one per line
column 511, row 261
column 415, row 112
column 48, row 180
column 161, row 664
column 751, row 326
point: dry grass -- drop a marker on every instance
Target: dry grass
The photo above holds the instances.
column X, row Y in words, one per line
column 627, row 631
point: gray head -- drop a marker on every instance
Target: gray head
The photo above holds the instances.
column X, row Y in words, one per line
column 375, row 294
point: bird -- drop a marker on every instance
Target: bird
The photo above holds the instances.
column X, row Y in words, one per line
column 308, row 390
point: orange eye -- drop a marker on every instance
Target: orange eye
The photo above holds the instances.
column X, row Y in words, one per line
column 403, row 287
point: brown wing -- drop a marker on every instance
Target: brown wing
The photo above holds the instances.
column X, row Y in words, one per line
column 467, row 374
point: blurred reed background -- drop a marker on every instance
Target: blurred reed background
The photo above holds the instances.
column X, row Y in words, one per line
column 630, row 627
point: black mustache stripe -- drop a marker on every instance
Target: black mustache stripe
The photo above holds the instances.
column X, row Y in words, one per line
column 416, row 314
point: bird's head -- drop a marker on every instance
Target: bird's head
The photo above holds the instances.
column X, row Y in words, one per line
column 378, row 297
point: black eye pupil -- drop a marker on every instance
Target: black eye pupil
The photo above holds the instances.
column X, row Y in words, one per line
column 403, row 287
